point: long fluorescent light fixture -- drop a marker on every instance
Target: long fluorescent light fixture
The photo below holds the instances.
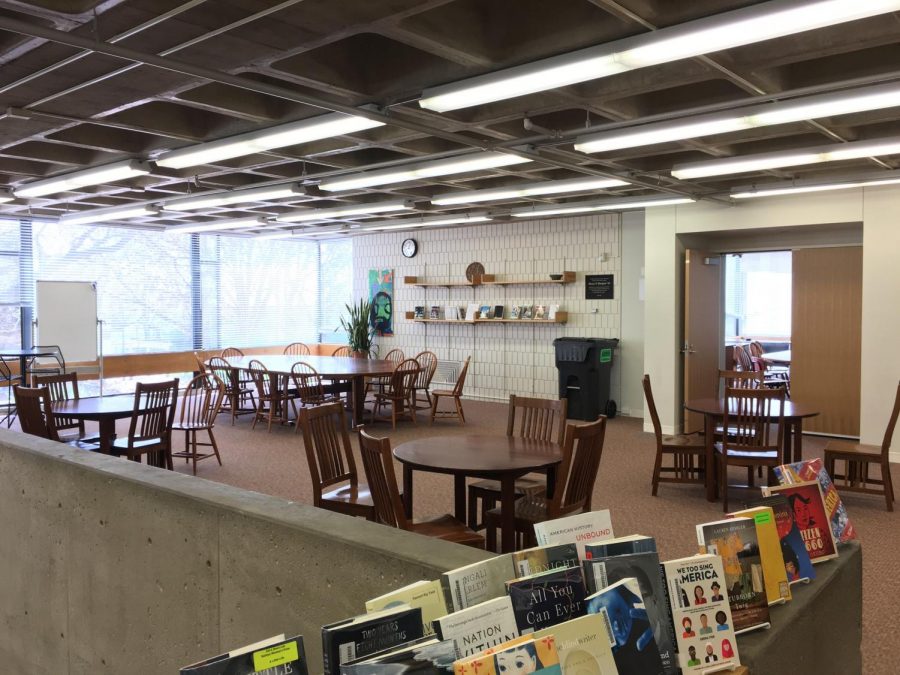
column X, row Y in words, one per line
column 768, row 114
column 439, row 167
column 203, row 200
column 775, row 160
column 801, row 187
column 103, row 215
column 641, row 202
column 431, row 221
column 305, row 232
column 324, row 126
column 765, row 21
column 526, row 190
column 234, row 224
column 343, row 211
column 6, row 196
column 97, row 175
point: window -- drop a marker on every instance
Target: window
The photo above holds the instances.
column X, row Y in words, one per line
column 336, row 287
column 10, row 317
column 758, row 295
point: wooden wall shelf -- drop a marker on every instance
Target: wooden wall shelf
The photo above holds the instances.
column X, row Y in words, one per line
column 561, row 317
column 489, row 280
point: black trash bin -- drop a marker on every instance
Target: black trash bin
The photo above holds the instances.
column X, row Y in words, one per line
column 584, row 366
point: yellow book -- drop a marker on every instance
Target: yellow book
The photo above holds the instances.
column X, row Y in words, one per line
column 482, row 663
column 428, row 595
column 525, row 655
column 778, row 589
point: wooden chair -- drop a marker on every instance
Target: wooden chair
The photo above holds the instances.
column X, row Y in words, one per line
column 379, row 383
column 237, row 393
column 774, row 375
column 297, row 349
column 739, row 379
column 35, row 411
column 455, row 394
column 150, row 430
column 9, row 405
column 540, row 419
column 54, row 364
column 271, row 398
column 309, row 387
column 201, row 366
column 742, row 360
column 378, row 463
column 581, row 450
column 427, row 365
column 332, row 469
column 63, row 387
column 231, row 352
column 341, row 351
column 858, row 456
column 751, row 423
column 688, row 451
column 399, row 393
column 200, row 403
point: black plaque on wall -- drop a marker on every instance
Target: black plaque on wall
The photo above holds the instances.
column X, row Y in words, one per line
column 598, row 286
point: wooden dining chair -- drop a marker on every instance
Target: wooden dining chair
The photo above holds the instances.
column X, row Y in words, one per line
column 310, row 389
column 398, row 394
column 774, row 375
column 427, row 365
column 455, row 394
column 297, row 349
column 341, row 351
column 63, row 387
column 271, row 398
column 239, row 394
column 150, row 429
column 742, row 360
column 201, row 366
column 538, row 419
column 332, row 469
column 8, row 406
column 200, row 404
column 858, row 457
column 231, row 352
column 755, row 439
column 378, row 463
column 379, row 382
column 581, row 450
column 35, row 411
column 688, row 451
column 739, row 379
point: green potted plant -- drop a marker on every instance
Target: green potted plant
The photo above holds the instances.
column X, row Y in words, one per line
column 359, row 328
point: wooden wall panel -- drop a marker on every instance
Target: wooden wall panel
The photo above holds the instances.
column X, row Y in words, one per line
column 826, row 336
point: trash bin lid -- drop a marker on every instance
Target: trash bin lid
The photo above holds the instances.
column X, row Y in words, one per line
column 575, row 349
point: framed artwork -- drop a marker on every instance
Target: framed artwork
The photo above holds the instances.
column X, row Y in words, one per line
column 381, row 293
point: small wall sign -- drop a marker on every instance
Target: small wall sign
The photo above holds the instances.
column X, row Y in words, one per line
column 598, row 286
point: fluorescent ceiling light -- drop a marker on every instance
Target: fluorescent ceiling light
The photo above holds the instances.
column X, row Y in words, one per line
column 94, row 176
column 433, row 221
column 6, row 196
column 775, row 160
column 304, row 232
column 765, row 21
column 526, row 190
column 261, row 140
column 103, row 215
column 809, row 107
column 342, row 211
column 800, row 187
column 235, row 224
column 439, row 167
column 204, row 200
column 641, row 202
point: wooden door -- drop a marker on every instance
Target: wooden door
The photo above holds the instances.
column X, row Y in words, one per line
column 702, row 328
column 826, row 333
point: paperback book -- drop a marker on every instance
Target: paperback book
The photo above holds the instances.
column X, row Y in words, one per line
column 275, row 656
column 471, row 311
column 451, row 313
column 428, row 656
column 734, row 540
column 435, row 312
column 478, row 582
column 468, row 665
column 526, row 312
column 540, row 311
column 704, row 633
column 808, row 509
column 547, row 598
column 426, row 595
column 579, row 529
column 485, row 312
column 542, row 558
column 366, row 634
column 812, row 469
column 797, row 563
column 582, row 645
column 778, row 589
column 419, row 312
column 498, row 311
column 479, row 627
column 627, row 628
column 515, row 312
column 551, row 312
column 632, row 543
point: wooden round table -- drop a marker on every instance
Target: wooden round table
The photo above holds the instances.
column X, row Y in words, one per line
column 713, row 411
column 104, row 410
column 502, row 458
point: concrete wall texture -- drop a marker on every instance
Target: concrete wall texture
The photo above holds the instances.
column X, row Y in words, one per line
column 108, row 566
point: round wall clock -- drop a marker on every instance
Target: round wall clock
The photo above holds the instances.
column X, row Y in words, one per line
column 409, row 247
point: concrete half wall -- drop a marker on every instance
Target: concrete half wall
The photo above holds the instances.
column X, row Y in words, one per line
column 108, row 566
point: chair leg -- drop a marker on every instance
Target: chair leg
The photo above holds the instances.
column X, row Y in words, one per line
column 194, row 449
column 434, row 404
column 887, row 485
column 657, row 465
column 723, row 480
column 490, row 537
column 472, row 509
column 459, row 409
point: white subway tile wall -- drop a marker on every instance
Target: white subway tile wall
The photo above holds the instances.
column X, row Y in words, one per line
column 507, row 358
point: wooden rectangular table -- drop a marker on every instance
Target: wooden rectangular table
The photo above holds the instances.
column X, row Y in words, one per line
column 782, row 358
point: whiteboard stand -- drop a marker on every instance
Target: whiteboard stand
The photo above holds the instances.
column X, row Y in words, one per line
column 100, row 353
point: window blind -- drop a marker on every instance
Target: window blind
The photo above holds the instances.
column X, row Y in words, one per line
column 10, row 328
column 336, row 287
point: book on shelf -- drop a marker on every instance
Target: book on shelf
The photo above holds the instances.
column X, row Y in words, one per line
column 530, row 561
column 631, row 543
column 473, row 584
column 435, row 312
column 777, row 587
column 810, row 516
column 627, row 628
column 498, row 311
column 484, row 312
column 797, row 563
column 469, row 664
column 274, row 655
column 526, row 312
column 812, row 469
column 362, row 635
column 582, row 645
column 547, row 598
column 579, row 529
column 426, row 595
column 428, row 656
column 552, row 311
column 525, row 656
column 479, row 627
column 735, row 541
column 515, row 312
column 704, row 633
column 540, row 312
column 451, row 313
column 471, row 311
column 419, row 312
column 645, row 569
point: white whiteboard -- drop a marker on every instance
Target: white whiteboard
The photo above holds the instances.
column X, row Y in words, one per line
column 67, row 316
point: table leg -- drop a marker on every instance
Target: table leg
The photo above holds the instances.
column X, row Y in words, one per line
column 459, row 497
column 508, row 514
column 358, row 392
column 798, row 440
column 107, row 434
column 22, row 366
column 407, row 490
column 709, row 471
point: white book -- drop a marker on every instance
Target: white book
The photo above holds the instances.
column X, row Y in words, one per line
column 478, row 582
column 479, row 627
column 580, row 529
column 551, row 312
column 451, row 313
column 472, row 310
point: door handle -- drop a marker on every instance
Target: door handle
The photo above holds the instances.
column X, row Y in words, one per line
column 688, row 349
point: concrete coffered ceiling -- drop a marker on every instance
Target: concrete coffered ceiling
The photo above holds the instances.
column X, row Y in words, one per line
column 85, row 83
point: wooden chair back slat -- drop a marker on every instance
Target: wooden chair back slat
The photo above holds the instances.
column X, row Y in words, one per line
column 63, row 387
column 427, row 365
column 35, row 411
column 740, row 379
column 202, row 400
column 395, row 356
column 750, row 415
column 403, row 378
column 297, row 349
column 537, row 418
column 327, row 446
column 154, row 411
column 378, row 463
column 582, row 449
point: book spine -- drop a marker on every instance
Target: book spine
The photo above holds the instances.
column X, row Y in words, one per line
column 326, row 653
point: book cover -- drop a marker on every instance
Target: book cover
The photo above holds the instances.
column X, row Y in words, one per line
column 582, row 645
column 627, row 627
column 435, row 312
column 632, row 543
column 478, row 582
column 547, row 598
column 777, row 587
column 419, row 312
column 808, row 509
column 704, row 633
column 735, row 541
column 471, row 311
column 468, row 665
column 515, row 312
column 645, row 569
column 812, row 469
column 476, row 628
column 526, row 312
column 274, row 655
column 428, row 656
column 551, row 312
column 542, row 558
column 540, row 312
column 498, row 311
column 366, row 634
column 427, row 595
column 579, row 529
column 485, row 312
column 797, row 564
column 451, row 313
